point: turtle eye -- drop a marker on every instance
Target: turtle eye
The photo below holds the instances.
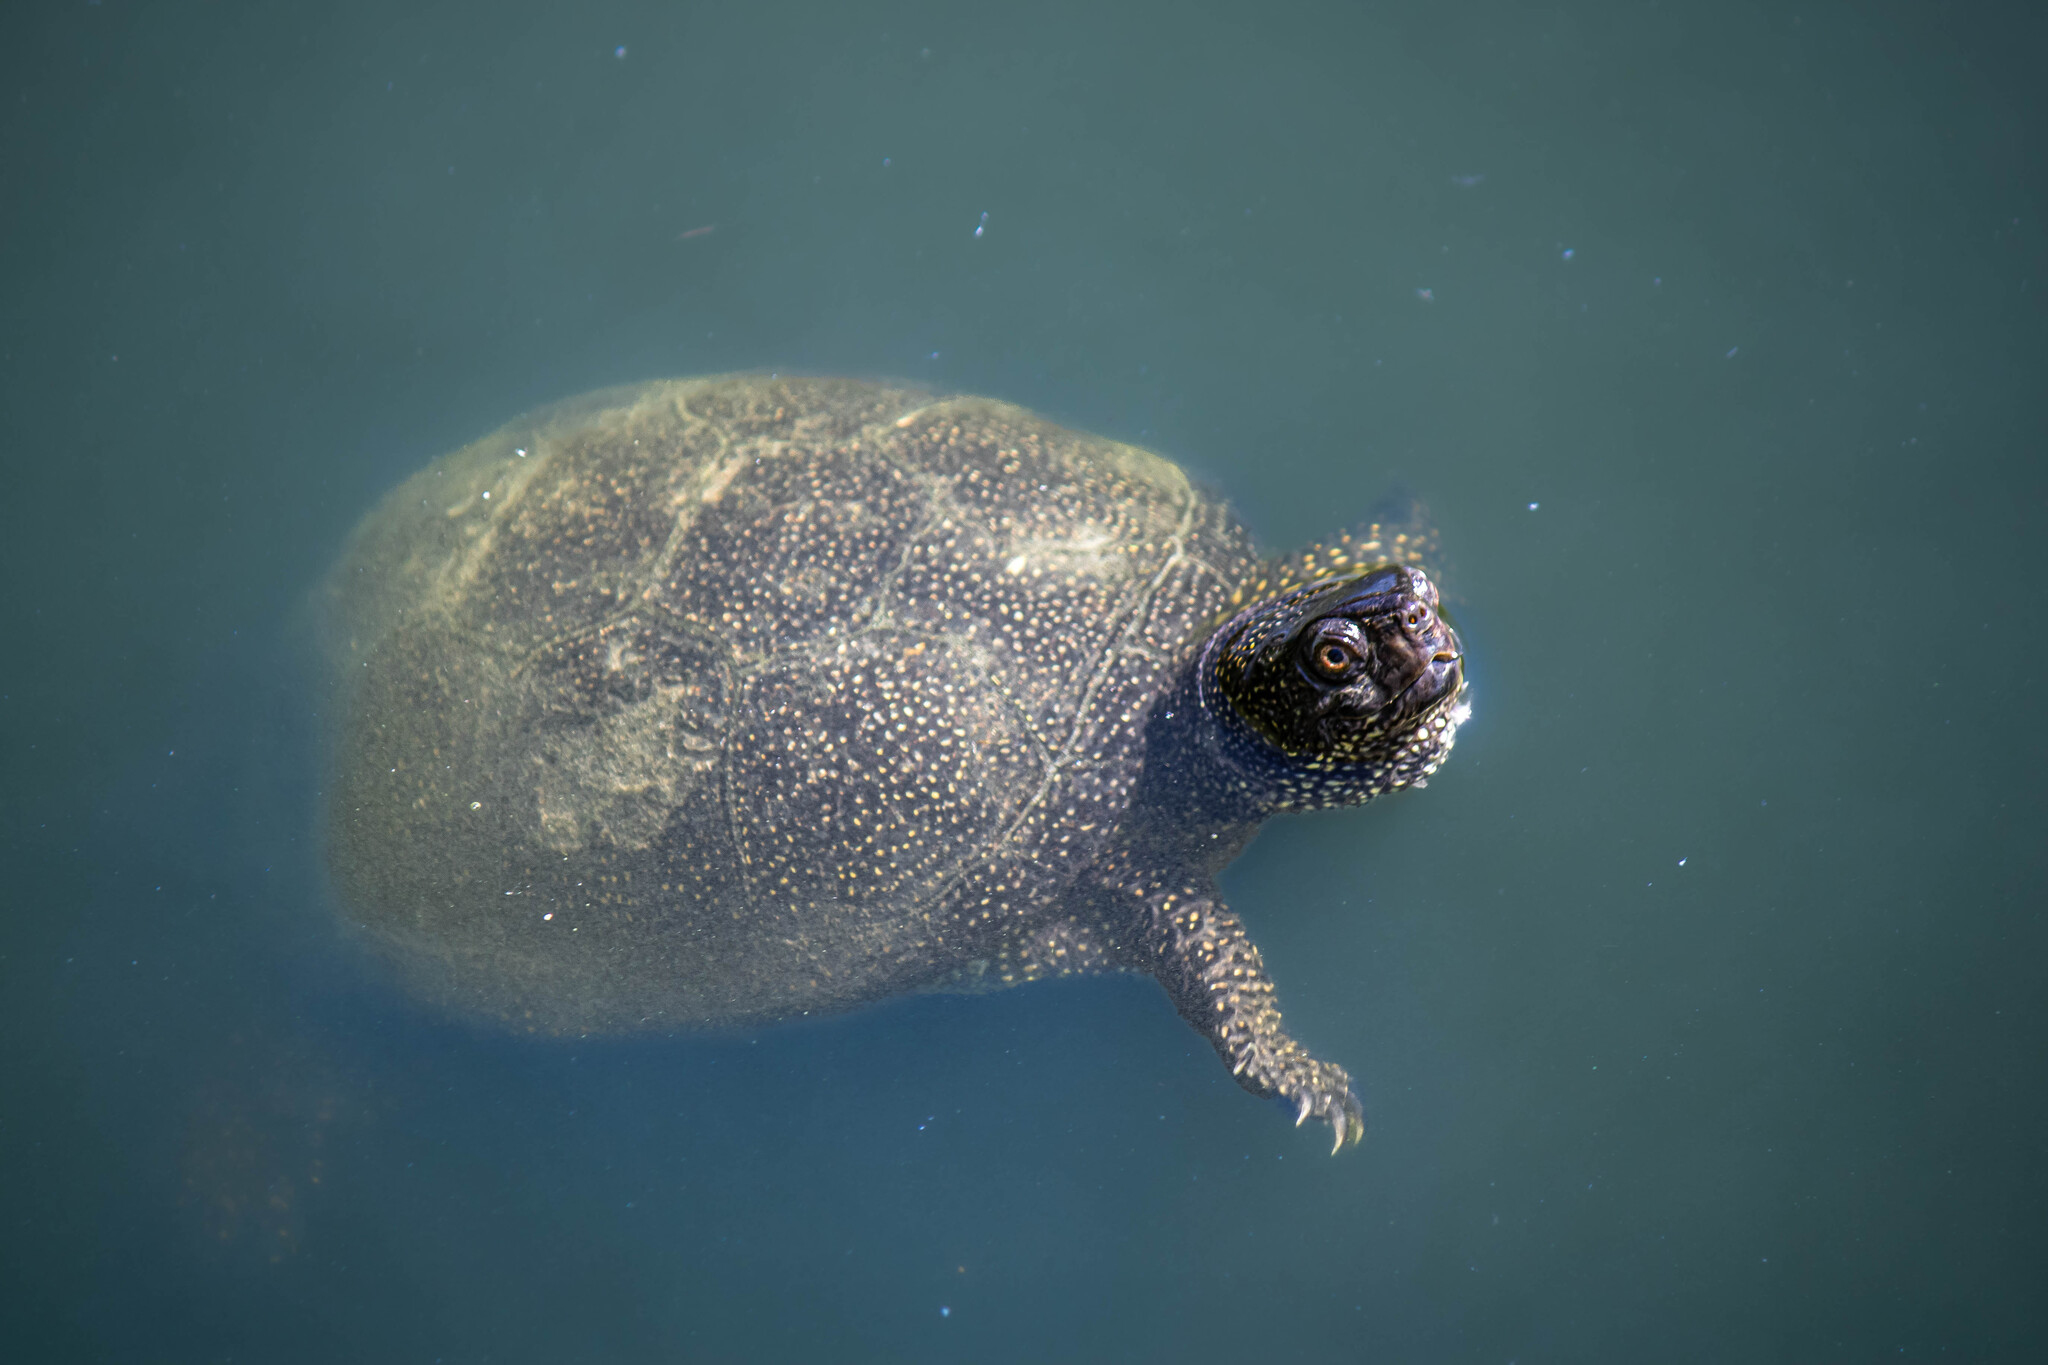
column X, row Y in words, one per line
column 1332, row 659
column 1416, row 615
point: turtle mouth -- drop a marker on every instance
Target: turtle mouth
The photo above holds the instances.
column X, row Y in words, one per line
column 1418, row 668
column 1440, row 678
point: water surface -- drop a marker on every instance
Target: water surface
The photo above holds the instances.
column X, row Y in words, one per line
column 1696, row 1003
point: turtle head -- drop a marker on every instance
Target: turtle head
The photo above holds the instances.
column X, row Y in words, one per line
column 1342, row 688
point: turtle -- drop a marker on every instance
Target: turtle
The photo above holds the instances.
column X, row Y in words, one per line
column 707, row 702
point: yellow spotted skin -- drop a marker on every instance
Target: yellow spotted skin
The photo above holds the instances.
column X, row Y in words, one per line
column 719, row 700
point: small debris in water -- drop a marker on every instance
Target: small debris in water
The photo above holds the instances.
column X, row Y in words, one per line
column 1426, row 295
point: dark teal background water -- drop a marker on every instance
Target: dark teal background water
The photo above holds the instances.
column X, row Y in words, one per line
column 1697, row 1005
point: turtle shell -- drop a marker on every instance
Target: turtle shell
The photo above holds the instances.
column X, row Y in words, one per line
column 725, row 699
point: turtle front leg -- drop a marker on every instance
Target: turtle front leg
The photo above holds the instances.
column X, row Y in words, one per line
column 1211, row 969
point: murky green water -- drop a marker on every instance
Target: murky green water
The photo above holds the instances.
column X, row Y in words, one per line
column 1696, row 1006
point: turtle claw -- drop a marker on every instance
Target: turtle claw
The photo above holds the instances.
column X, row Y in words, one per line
column 1321, row 1091
column 1347, row 1117
column 1314, row 1090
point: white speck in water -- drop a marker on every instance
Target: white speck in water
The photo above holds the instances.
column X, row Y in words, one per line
column 1731, row 353
column 1534, row 505
column 548, row 916
column 1015, row 566
column 944, row 1311
column 620, row 52
column 1567, row 253
column 982, row 224
column 1681, row 862
column 520, row 451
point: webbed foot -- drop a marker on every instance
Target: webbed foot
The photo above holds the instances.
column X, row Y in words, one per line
column 1216, row 979
column 1312, row 1089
